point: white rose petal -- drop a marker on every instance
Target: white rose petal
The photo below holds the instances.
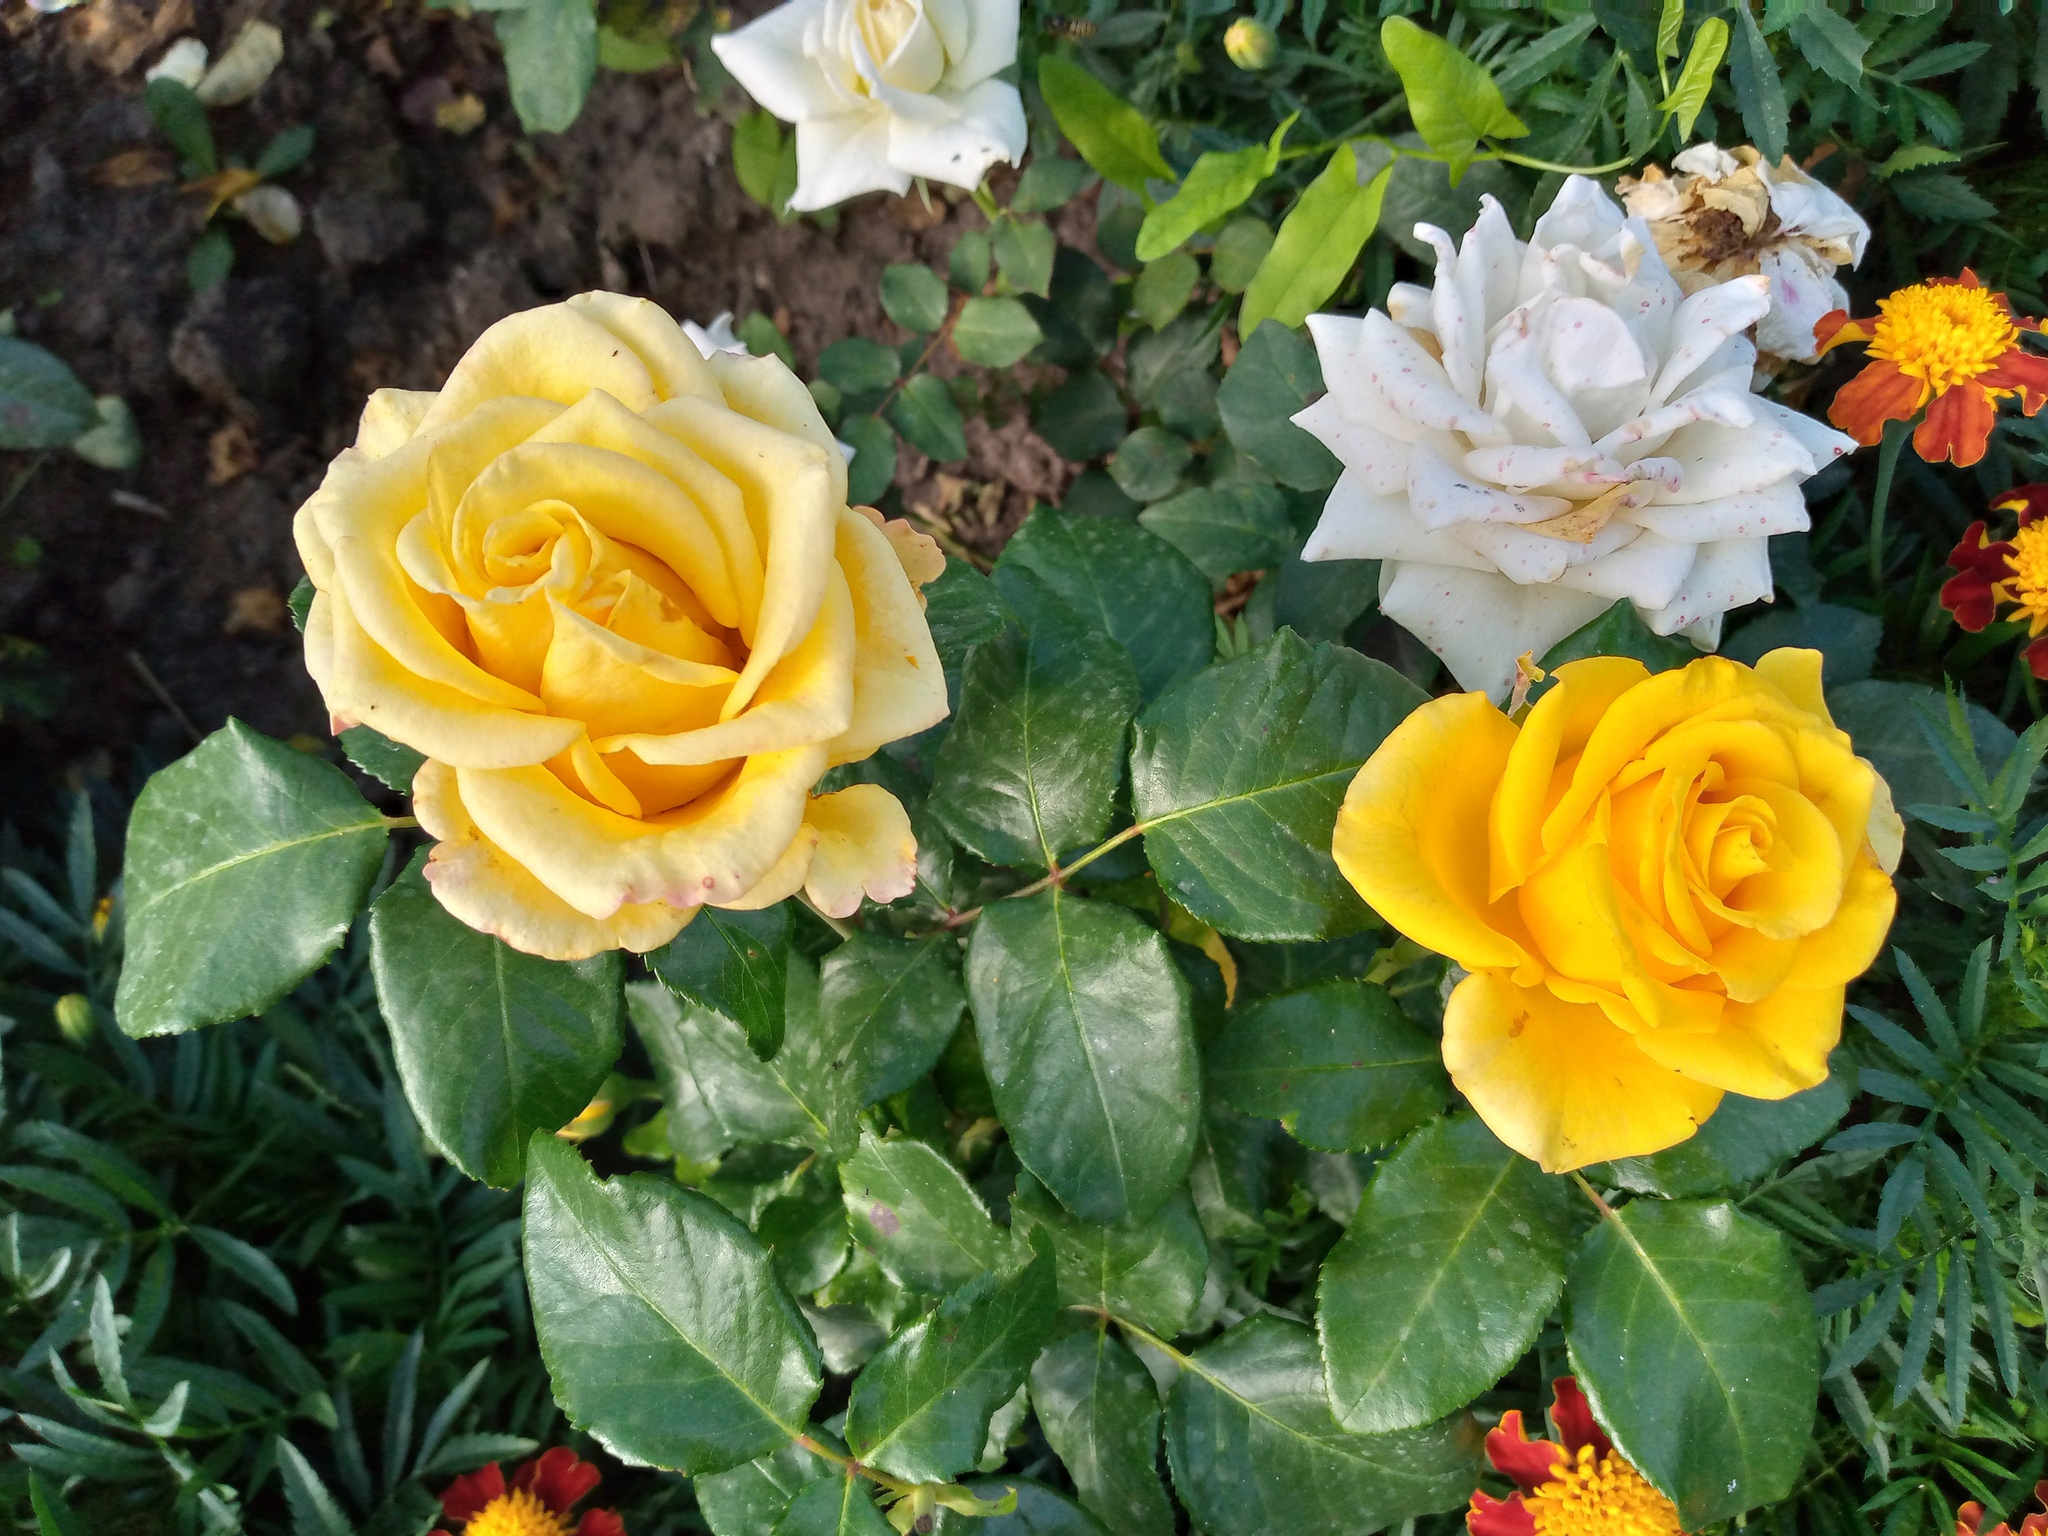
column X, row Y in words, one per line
column 184, row 61
column 1588, row 436
column 240, row 72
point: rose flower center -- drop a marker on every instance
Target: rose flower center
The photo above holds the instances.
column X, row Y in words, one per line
column 518, row 1513
column 1943, row 333
column 1599, row 1496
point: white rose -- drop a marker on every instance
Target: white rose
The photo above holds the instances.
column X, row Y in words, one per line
column 884, row 90
column 1551, row 428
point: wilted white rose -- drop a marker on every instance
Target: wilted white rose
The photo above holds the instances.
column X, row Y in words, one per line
column 1553, row 427
column 884, row 90
column 1728, row 214
column 184, row 61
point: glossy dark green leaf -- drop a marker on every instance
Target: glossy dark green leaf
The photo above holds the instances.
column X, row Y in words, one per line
column 749, row 1499
column 734, row 963
column 1150, row 462
column 859, row 367
column 181, row 117
column 890, row 1006
column 246, row 863
column 664, row 1329
column 1084, row 418
column 839, row 1505
column 491, row 1044
column 390, row 763
column 913, row 1210
column 1276, row 374
column 1161, row 362
column 1759, row 89
column 1133, row 585
column 1111, row 134
column 1692, row 1332
column 1338, row 1064
column 1030, row 766
column 1080, row 319
column 962, row 609
column 1225, row 528
column 43, row 404
column 1846, row 638
column 1149, row 1271
column 1742, row 1141
column 1100, row 1413
column 1238, row 820
column 1083, row 1021
column 925, row 414
column 1620, row 631
column 805, row 1232
column 1322, row 599
column 998, row 332
column 550, row 60
column 1255, row 1451
column 920, row 1409
column 1449, row 1267
column 914, row 296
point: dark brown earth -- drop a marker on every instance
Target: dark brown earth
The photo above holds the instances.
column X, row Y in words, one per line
column 154, row 598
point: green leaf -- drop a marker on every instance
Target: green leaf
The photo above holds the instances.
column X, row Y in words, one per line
column 920, row 1409
column 967, row 263
column 1831, row 44
column 805, row 1231
column 1709, row 47
column 1942, row 197
column 1620, row 631
column 1083, row 1021
column 314, row 1511
column 246, row 863
column 114, row 441
column 1238, row 822
column 1691, row 1331
column 550, row 60
column 859, row 367
column 1150, row 463
column 1669, row 21
column 914, row 296
column 1847, row 639
column 1884, row 719
column 1443, row 1279
column 925, row 414
column 1163, row 289
column 42, row 402
column 390, row 763
column 181, row 118
column 1220, row 182
column 210, row 260
column 664, row 1329
column 749, row 1499
column 891, row 1006
column 1742, row 1141
column 1914, row 157
column 913, row 1210
column 1024, row 253
column 994, row 332
column 1149, row 1271
column 1255, row 1451
column 1134, row 586
column 757, row 156
column 1276, row 374
column 286, row 152
column 1030, row 765
column 874, row 459
column 1048, row 182
column 1111, row 134
column 1453, row 101
column 735, row 964
column 1084, row 418
column 53, row 1515
column 1080, row 319
column 1100, row 1413
column 761, row 337
column 633, row 55
column 1319, row 240
column 962, row 609
column 1234, row 259
column 834, row 1506
column 1338, row 1065
column 1759, row 89
column 1236, row 527
column 491, row 1044
column 1040, row 1511
column 254, row 1267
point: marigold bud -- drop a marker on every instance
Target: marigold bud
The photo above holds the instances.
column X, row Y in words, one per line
column 1251, row 44
column 74, row 1017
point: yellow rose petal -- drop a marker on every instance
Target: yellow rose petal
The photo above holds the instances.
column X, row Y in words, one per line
column 899, row 688
column 552, row 353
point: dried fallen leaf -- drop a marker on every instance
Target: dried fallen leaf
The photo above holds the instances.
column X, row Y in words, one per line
column 230, row 454
column 134, row 168
column 255, row 610
column 465, row 114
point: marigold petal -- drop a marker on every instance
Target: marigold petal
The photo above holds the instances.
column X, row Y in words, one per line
column 2024, row 373
column 469, row 1493
column 2037, row 658
column 1573, row 1416
column 1836, row 329
column 1880, row 393
column 601, row 1522
column 1489, row 1516
column 1512, row 1452
column 557, row 1477
column 1957, row 425
column 2030, row 501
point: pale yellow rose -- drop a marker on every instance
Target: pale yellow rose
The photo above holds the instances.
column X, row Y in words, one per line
column 612, row 590
column 1661, row 886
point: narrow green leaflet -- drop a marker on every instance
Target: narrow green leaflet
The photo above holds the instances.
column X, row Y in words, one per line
column 550, row 60
column 1100, row 1413
column 1149, row 1271
column 1693, row 1334
column 1318, row 241
column 1029, row 768
column 1226, row 528
column 1709, row 47
column 1453, row 101
column 1134, row 586
column 1275, row 375
column 1238, row 818
column 42, row 402
column 890, row 1006
column 920, row 1408
column 666, row 1333
column 749, row 1499
column 1221, row 181
column 1443, row 1279
column 1083, row 1021
column 913, row 1210
column 1255, row 1451
column 834, row 1506
column 1339, row 1065
column 246, row 863
column 491, row 1044
column 1759, row 92
column 1111, row 134
column 734, row 963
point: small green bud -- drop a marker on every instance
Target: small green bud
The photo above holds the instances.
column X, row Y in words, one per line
column 74, row 1017
column 1251, row 44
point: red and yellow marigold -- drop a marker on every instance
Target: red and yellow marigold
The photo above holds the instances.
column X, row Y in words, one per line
column 2010, row 573
column 539, row 1502
column 1970, row 1519
column 1576, row 1485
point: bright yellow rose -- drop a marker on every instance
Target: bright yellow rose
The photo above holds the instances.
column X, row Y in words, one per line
column 1660, row 885
column 613, row 592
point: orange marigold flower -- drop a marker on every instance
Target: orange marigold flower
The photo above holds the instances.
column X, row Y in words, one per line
column 1970, row 1518
column 1582, row 1486
column 1950, row 345
column 543, row 1492
column 1991, row 573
